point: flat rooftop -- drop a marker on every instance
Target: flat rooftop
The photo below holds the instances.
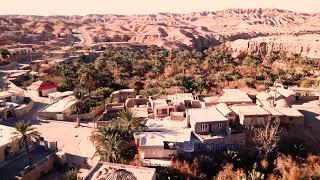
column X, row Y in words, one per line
column 61, row 94
column 164, row 130
column 249, row 110
column 272, row 111
column 113, row 171
column 140, row 111
column 263, row 96
column 286, row 92
column 206, row 115
column 180, row 97
column 159, row 103
column 61, row 105
column 291, row 112
column 5, row 134
column 223, row 108
column 234, row 96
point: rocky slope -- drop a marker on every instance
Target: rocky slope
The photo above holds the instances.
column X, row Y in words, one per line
column 307, row 45
column 194, row 30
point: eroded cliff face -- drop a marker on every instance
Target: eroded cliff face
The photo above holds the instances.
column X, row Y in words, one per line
column 194, row 30
column 307, row 45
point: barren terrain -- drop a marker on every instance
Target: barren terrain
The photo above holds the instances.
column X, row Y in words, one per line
column 200, row 30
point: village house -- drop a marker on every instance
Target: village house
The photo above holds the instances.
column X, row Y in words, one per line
column 207, row 101
column 251, row 114
column 234, row 96
column 234, row 121
column 274, row 114
column 42, row 88
column 161, row 107
column 210, row 126
column 178, row 102
column 112, row 110
column 54, row 55
column 184, row 101
column 13, row 105
column 103, row 170
column 58, row 110
column 281, row 93
column 23, row 54
column 306, row 94
column 122, row 95
column 19, row 51
column 139, row 106
column 13, row 34
column 291, row 119
column 161, row 140
column 7, row 149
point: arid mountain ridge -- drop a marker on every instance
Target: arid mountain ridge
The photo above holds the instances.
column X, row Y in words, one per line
column 254, row 30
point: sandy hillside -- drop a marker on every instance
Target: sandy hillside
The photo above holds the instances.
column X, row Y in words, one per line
column 194, row 30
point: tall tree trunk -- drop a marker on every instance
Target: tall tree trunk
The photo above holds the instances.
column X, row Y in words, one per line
column 27, row 151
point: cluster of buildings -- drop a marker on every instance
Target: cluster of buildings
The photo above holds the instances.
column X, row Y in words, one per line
column 40, row 36
column 183, row 123
column 14, row 105
column 176, row 124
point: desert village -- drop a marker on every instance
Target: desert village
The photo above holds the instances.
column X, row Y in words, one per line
column 176, row 123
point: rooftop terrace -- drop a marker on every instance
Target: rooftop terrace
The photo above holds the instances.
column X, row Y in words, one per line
column 5, row 134
column 206, row 115
column 61, row 105
column 249, row 110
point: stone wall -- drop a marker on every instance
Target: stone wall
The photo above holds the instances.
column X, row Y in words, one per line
column 40, row 168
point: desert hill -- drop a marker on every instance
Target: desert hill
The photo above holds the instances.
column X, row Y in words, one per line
column 195, row 30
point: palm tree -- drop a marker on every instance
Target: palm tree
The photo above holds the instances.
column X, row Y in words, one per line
column 88, row 77
column 4, row 53
column 71, row 174
column 26, row 134
column 108, row 144
column 129, row 121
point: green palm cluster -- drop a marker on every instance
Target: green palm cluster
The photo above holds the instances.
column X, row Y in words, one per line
column 114, row 143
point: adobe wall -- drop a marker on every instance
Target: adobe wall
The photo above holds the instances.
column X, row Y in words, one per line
column 73, row 117
column 24, row 109
column 156, row 153
column 39, row 169
column 231, row 139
